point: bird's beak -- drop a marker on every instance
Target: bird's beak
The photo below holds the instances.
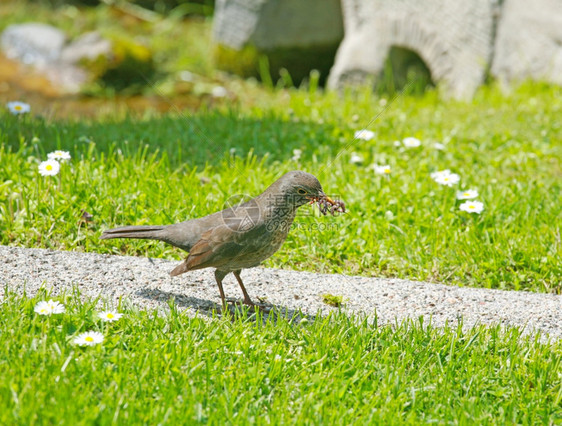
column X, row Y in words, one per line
column 315, row 198
column 329, row 200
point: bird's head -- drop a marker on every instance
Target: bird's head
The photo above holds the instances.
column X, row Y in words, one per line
column 298, row 188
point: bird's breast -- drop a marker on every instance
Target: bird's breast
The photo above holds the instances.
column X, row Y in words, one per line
column 276, row 230
column 263, row 241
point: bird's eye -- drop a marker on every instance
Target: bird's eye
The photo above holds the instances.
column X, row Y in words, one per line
column 301, row 191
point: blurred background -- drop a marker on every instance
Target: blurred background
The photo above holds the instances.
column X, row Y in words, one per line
column 73, row 57
column 70, row 57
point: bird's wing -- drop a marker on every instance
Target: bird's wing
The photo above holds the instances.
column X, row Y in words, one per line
column 234, row 232
column 186, row 234
column 216, row 247
column 220, row 246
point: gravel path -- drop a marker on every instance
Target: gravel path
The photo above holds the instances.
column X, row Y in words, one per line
column 146, row 283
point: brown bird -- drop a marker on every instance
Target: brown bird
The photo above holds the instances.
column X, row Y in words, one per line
column 238, row 237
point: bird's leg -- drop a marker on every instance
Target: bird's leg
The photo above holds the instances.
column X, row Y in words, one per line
column 247, row 300
column 219, row 276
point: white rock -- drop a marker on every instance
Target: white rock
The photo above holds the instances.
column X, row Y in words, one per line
column 454, row 38
column 529, row 41
column 33, row 43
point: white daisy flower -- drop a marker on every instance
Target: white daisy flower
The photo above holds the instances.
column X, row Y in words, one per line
column 109, row 316
column 355, row 158
column 17, row 108
column 448, row 180
column 411, row 142
column 435, row 175
column 397, row 143
column 467, row 194
column 382, row 170
column 49, row 168
column 59, row 155
column 472, row 207
column 43, row 308
column 56, row 307
column 49, row 307
column 297, row 154
column 438, row 146
column 89, row 338
column 364, row 134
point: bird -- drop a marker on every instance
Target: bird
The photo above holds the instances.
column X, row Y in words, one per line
column 241, row 236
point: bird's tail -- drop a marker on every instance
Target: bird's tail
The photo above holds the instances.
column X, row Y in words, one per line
column 148, row 232
column 180, row 269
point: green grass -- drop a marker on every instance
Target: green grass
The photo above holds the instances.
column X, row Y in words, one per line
column 174, row 369
column 333, row 300
column 167, row 168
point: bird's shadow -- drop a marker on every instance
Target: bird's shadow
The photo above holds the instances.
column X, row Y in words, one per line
column 209, row 308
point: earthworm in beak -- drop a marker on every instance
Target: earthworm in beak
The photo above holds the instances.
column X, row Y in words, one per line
column 326, row 204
